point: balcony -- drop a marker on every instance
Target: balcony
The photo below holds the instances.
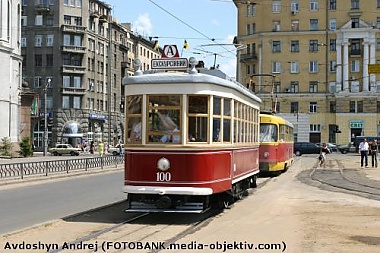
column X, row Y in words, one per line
column 73, row 49
column 94, row 13
column 126, row 64
column 123, row 47
column 73, row 91
column 103, row 18
column 43, row 7
column 71, row 69
column 248, row 57
column 73, row 29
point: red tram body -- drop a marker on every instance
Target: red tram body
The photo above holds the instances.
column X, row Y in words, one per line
column 212, row 154
column 276, row 144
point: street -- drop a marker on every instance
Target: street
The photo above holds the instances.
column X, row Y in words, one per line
column 291, row 211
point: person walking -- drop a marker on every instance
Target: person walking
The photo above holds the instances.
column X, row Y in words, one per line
column 363, row 151
column 101, row 148
column 374, row 149
column 322, row 157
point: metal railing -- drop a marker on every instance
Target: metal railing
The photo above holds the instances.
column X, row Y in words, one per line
column 46, row 168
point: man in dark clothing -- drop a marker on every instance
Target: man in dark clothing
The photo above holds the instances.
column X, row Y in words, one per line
column 373, row 148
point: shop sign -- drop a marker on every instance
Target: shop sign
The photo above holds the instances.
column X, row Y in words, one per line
column 356, row 124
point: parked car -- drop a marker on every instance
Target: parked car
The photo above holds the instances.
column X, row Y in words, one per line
column 306, row 148
column 116, row 150
column 345, row 148
column 332, row 147
column 64, row 149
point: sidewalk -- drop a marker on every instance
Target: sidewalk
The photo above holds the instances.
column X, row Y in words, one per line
column 352, row 161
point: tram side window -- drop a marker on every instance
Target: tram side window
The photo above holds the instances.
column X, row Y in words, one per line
column 164, row 119
column 133, row 119
column 198, row 112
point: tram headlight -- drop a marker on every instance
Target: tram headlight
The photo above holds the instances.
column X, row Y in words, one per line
column 266, row 154
column 163, row 164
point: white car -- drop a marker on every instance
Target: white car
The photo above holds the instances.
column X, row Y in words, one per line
column 116, row 150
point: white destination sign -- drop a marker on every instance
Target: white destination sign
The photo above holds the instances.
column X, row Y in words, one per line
column 170, row 63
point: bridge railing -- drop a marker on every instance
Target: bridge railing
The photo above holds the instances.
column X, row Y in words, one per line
column 46, row 168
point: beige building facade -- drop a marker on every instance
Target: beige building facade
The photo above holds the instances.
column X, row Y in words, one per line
column 315, row 62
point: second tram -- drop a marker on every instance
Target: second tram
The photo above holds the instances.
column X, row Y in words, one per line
column 276, row 144
column 192, row 141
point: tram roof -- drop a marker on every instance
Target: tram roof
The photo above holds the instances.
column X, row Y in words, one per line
column 212, row 77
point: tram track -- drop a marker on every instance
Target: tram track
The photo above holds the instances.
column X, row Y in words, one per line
column 160, row 228
column 338, row 177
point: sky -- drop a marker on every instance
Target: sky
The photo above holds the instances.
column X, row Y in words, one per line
column 208, row 26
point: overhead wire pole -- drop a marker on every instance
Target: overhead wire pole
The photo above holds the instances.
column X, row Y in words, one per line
column 273, row 105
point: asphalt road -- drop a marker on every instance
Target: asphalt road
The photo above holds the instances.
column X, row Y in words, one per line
column 31, row 204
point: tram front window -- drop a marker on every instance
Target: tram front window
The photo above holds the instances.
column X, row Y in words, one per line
column 268, row 133
column 197, row 118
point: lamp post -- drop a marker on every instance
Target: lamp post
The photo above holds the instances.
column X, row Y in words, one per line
column 45, row 118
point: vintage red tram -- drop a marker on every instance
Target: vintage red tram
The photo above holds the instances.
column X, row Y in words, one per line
column 276, row 144
column 192, row 141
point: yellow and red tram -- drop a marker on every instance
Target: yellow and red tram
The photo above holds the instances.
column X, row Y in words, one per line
column 192, row 141
column 276, row 143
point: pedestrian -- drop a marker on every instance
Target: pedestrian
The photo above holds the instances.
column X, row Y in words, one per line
column 92, row 147
column 374, row 149
column 322, row 157
column 101, row 148
column 363, row 151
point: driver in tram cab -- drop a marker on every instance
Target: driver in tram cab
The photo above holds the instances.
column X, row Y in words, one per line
column 169, row 126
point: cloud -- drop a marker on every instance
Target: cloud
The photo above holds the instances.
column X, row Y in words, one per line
column 229, row 67
column 143, row 24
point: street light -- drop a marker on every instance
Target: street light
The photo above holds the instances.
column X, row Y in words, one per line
column 45, row 118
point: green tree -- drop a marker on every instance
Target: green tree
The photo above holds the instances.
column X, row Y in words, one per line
column 5, row 147
column 26, row 147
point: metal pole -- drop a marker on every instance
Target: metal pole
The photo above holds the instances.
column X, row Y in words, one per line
column 45, row 118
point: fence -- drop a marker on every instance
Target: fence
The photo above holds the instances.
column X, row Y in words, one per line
column 46, row 168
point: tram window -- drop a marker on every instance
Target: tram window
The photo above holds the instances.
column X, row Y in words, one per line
column 134, row 130
column 216, row 130
column 226, row 130
column 164, row 119
column 198, row 104
column 217, row 106
column 268, row 133
column 227, row 107
column 134, row 104
column 197, row 131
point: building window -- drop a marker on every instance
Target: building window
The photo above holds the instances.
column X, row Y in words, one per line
column 65, row 102
column 354, row 4
column 38, row 60
column 313, row 66
column 276, row 26
column 355, row 23
column 49, row 60
column 316, row 128
column 24, row 20
column 359, row 106
column 333, row 45
column 355, row 66
column 355, row 47
column 295, row 6
column 38, row 41
column 313, row 87
column 295, row 46
column 294, row 67
column 49, row 40
column 276, row 46
column 66, row 40
column 332, row 24
column 313, row 45
column 38, row 20
column 332, row 66
column 251, row 10
column 23, row 42
column 294, row 87
column 37, row 82
column 377, row 44
column 276, row 67
column 276, row 6
column 378, row 106
column 295, row 25
column 67, row 20
column 248, row 29
column 332, row 107
column 332, row 5
column 293, row 107
column 313, row 107
column 313, row 24
column 314, row 5
column 378, row 4
column 277, row 87
column 76, row 103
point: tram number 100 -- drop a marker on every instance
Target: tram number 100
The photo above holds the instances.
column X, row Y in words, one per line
column 163, row 176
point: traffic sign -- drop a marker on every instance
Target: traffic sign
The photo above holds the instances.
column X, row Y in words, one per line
column 170, row 63
column 373, row 68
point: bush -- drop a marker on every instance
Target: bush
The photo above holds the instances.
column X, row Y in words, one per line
column 26, row 147
column 5, row 147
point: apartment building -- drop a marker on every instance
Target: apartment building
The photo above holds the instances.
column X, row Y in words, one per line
column 10, row 71
column 75, row 55
column 314, row 62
